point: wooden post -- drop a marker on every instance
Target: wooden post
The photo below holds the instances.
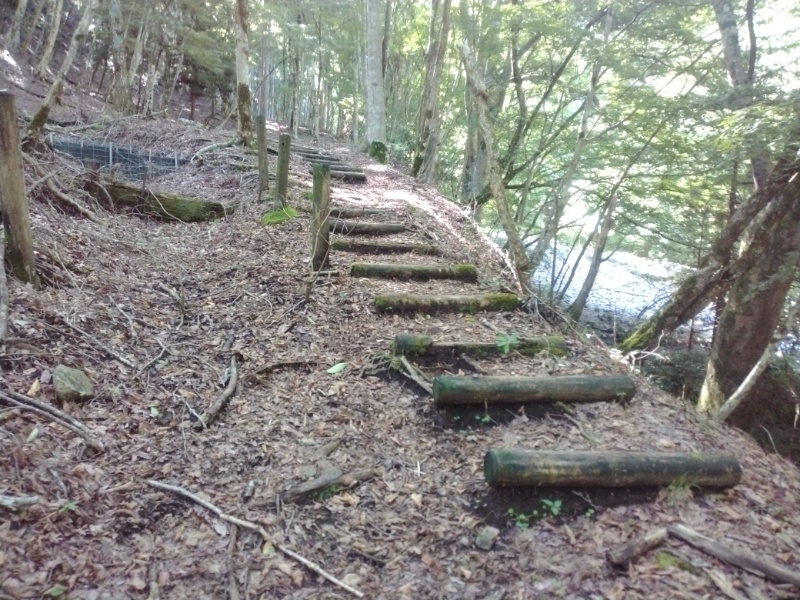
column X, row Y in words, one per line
column 540, row 468
column 320, row 234
column 13, row 199
column 263, row 163
column 282, row 183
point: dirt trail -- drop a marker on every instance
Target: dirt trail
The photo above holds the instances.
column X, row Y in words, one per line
column 407, row 532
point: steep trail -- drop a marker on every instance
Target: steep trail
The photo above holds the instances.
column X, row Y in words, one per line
column 408, row 530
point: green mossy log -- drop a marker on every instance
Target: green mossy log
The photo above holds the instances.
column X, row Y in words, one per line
column 365, row 228
column 384, row 248
column 462, row 304
column 423, row 345
column 451, row 390
column 378, row 151
column 458, row 272
column 169, row 207
column 532, row 468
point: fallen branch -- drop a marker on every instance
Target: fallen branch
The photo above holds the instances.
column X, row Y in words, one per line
column 624, row 555
column 327, row 479
column 414, row 375
column 737, row 558
column 15, row 502
column 99, row 344
column 252, row 527
column 211, row 147
column 53, row 414
column 216, row 407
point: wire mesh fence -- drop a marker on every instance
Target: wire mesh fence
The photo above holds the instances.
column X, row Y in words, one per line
column 129, row 162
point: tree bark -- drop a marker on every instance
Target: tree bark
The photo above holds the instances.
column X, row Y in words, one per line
column 243, row 98
column 52, row 36
column 13, row 199
column 282, row 168
column 120, row 91
column 461, row 304
column 16, row 24
column 423, row 345
column 320, row 243
column 460, row 272
column 376, row 103
column 39, row 119
column 384, row 248
column 533, row 468
column 365, row 228
column 453, row 390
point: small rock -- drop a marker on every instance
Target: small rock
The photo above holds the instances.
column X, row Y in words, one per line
column 486, row 537
column 72, row 385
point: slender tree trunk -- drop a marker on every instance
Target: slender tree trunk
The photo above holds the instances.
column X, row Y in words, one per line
column 52, row 37
column 36, row 125
column 120, row 92
column 376, row 103
column 243, row 98
column 519, row 256
column 37, row 14
column 12, row 38
column 138, row 50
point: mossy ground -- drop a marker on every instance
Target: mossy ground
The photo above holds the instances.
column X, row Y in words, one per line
column 276, row 217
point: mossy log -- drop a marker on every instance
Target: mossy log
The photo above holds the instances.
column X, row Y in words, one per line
column 533, row 468
column 349, row 176
column 459, row 272
column 350, row 213
column 169, row 207
column 450, row 390
column 423, row 345
column 336, row 166
column 365, row 228
column 462, row 304
column 384, row 248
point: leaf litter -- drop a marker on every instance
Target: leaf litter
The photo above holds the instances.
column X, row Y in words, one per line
column 316, row 401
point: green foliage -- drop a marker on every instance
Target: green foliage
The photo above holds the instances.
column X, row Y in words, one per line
column 553, row 506
column 68, row 506
column 57, row 591
column 276, row 217
column 505, row 342
column 328, row 492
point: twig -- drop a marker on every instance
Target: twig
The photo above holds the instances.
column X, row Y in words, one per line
column 328, row 479
column 215, row 408
column 151, row 362
column 253, row 527
column 65, row 421
column 134, row 337
column 99, row 344
column 624, row 555
column 211, row 147
column 15, row 502
column 738, row 558
column 415, row 376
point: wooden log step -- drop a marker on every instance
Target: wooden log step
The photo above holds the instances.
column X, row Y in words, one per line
column 384, row 248
column 365, row 228
column 452, row 390
column 463, row 304
column 423, row 345
column 334, row 166
column 459, row 272
column 349, row 176
column 350, row 213
column 534, row 468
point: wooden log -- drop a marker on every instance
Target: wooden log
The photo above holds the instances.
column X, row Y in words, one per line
column 13, row 198
column 463, row 304
column 349, row 176
column 350, row 213
column 624, row 555
column 423, row 345
column 320, row 228
column 384, row 248
column 499, row 389
column 263, row 163
column 168, row 207
column 365, row 228
column 534, row 468
column 335, row 165
column 282, row 180
column 459, row 272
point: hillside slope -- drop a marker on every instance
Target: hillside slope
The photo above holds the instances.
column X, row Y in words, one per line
column 179, row 301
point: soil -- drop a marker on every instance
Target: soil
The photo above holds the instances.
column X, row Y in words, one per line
column 183, row 303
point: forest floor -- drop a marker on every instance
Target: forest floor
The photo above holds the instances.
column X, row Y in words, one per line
column 178, row 301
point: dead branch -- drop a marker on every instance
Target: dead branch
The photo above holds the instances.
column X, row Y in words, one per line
column 328, row 479
column 216, row 407
column 738, row 558
column 47, row 178
column 326, row 449
column 15, row 502
column 253, row 527
column 99, row 344
column 412, row 373
column 53, row 414
column 624, row 555
column 211, row 147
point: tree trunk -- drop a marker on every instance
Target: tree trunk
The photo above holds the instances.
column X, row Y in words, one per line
column 52, row 37
column 460, row 304
column 16, row 24
column 424, row 163
column 13, row 199
column 376, row 103
column 243, row 99
column 120, row 93
column 36, row 125
column 456, row 390
column 536, row 468
column 320, row 234
column 460, row 272
column 519, row 255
